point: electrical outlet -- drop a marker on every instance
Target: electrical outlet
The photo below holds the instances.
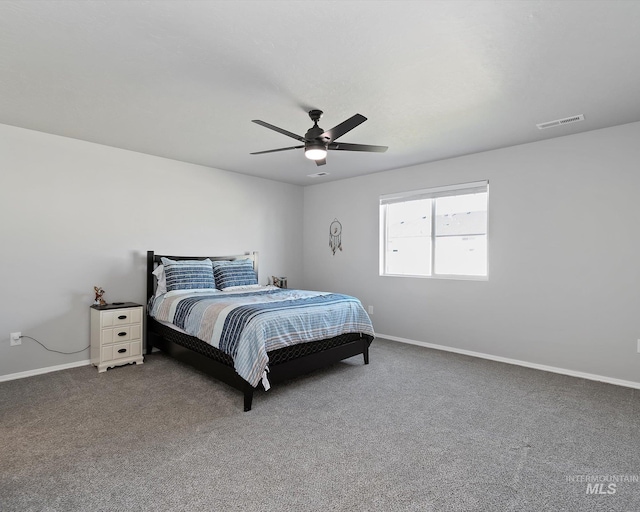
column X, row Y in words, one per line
column 371, row 310
column 16, row 338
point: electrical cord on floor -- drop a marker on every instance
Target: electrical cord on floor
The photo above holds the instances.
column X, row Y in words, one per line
column 50, row 349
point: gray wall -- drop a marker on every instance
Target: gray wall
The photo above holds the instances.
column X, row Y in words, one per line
column 563, row 288
column 75, row 214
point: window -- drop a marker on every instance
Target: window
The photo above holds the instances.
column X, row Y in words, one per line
column 437, row 232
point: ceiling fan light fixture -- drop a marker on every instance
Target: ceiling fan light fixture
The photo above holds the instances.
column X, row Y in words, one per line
column 316, row 142
column 315, row 151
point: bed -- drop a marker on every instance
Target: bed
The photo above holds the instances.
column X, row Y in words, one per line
column 247, row 320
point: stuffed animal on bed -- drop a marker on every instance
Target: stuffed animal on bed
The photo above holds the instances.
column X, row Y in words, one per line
column 99, row 301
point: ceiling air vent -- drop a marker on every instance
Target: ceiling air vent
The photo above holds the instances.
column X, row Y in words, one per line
column 318, row 174
column 560, row 122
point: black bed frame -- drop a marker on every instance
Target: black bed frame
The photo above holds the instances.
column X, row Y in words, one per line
column 284, row 363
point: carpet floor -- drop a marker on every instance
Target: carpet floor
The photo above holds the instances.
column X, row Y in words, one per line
column 416, row 430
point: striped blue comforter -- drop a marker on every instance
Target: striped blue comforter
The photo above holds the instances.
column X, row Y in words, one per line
column 247, row 325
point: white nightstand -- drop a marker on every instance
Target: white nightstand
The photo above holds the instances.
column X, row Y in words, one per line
column 116, row 335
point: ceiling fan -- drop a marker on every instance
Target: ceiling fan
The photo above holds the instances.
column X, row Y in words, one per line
column 317, row 141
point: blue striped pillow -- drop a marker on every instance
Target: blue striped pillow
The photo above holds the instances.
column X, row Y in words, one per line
column 234, row 273
column 188, row 274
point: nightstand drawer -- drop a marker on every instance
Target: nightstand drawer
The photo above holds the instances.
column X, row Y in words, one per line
column 121, row 351
column 116, row 351
column 121, row 317
column 123, row 333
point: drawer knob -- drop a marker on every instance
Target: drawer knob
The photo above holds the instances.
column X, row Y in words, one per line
column 122, row 334
column 122, row 351
column 122, row 317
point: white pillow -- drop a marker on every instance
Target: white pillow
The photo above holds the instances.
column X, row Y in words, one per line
column 242, row 287
column 161, row 279
column 208, row 291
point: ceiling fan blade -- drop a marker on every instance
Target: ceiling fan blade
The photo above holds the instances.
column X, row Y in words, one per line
column 344, row 127
column 321, row 162
column 279, row 130
column 276, row 150
column 343, row 146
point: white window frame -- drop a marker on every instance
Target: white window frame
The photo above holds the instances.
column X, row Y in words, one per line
column 430, row 193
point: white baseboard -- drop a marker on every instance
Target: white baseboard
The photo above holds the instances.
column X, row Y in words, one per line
column 535, row 366
column 526, row 364
column 40, row 371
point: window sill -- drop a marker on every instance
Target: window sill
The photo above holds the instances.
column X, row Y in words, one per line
column 446, row 277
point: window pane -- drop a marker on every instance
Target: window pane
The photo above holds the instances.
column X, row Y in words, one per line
column 461, row 215
column 409, row 256
column 411, row 218
column 461, row 255
column 408, row 240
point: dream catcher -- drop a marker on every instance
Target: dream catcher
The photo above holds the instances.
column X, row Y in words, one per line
column 335, row 236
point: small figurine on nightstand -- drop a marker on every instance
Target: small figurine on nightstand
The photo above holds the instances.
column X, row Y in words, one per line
column 99, row 301
column 280, row 282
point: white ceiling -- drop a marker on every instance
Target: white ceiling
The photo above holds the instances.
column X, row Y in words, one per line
column 437, row 79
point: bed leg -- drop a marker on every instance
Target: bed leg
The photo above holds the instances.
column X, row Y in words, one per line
column 365, row 353
column 149, row 342
column 248, row 398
